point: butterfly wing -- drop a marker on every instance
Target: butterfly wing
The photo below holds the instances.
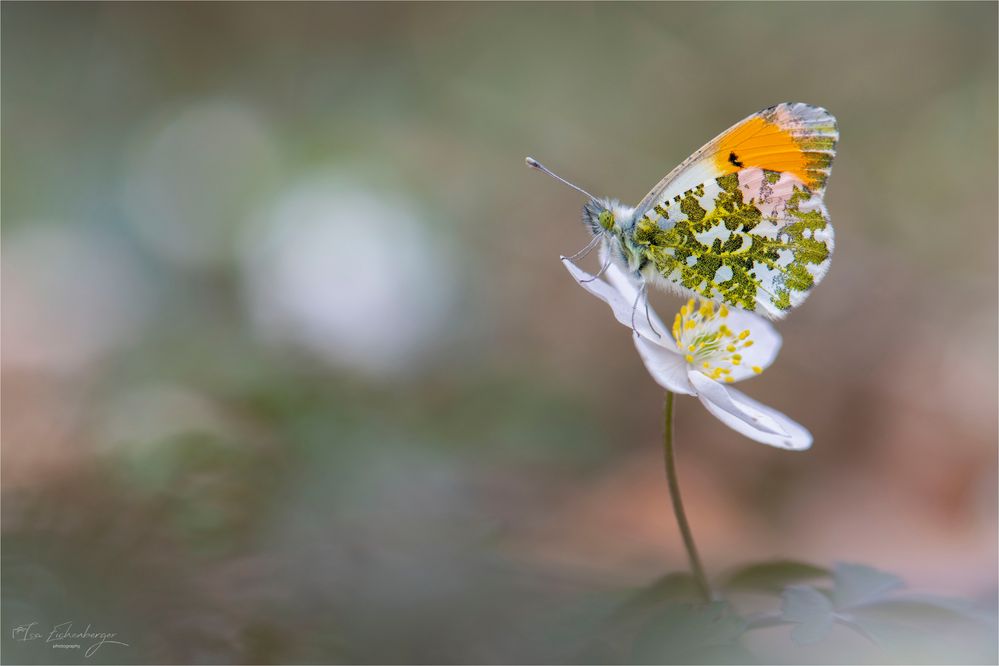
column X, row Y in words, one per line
column 742, row 221
column 796, row 138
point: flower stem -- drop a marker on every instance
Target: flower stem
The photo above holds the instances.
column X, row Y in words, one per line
column 697, row 569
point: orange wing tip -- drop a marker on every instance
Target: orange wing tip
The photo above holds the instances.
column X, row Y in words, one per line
column 793, row 138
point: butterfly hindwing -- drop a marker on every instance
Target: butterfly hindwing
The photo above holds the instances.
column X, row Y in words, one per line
column 742, row 221
column 755, row 239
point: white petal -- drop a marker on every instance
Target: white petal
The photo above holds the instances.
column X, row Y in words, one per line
column 620, row 296
column 748, row 417
column 667, row 367
column 624, row 285
column 766, row 342
column 810, row 611
column 715, row 394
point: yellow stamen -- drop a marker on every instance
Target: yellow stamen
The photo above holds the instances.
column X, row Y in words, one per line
column 707, row 309
column 691, row 324
column 707, row 366
column 749, row 343
column 723, row 312
column 744, row 334
column 729, row 380
column 757, row 369
column 736, row 357
column 736, row 361
column 690, row 359
column 730, row 348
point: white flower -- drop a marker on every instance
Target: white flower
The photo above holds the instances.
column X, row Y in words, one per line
column 710, row 347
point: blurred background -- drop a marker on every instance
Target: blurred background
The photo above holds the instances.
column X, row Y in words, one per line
column 292, row 373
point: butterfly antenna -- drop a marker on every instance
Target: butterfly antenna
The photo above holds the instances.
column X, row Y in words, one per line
column 533, row 163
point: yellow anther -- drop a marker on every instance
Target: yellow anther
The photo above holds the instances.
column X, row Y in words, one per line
column 711, row 345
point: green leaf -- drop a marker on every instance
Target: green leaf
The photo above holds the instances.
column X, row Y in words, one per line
column 924, row 608
column 610, row 634
column 692, row 634
column 908, row 628
column 772, row 576
column 922, row 636
column 929, row 629
column 677, row 586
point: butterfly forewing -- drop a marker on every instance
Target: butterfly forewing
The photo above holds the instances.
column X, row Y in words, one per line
column 742, row 221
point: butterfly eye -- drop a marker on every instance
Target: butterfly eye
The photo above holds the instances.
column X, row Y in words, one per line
column 606, row 220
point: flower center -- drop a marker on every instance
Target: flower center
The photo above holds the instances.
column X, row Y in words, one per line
column 707, row 342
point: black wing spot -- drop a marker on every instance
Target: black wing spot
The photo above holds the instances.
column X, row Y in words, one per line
column 734, row 160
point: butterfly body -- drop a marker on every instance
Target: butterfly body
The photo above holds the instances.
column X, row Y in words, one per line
column 741, row 222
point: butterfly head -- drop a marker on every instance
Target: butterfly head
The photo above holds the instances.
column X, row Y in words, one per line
column 607, row 216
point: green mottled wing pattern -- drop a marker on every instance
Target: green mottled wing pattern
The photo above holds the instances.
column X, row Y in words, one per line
column 755, row 239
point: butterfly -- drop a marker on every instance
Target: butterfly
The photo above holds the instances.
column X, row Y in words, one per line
column 740, row 222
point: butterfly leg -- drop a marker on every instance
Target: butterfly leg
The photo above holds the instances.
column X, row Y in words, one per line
column 603, row 268
column 643, row 293
column 648, row 318
column 586, row 250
